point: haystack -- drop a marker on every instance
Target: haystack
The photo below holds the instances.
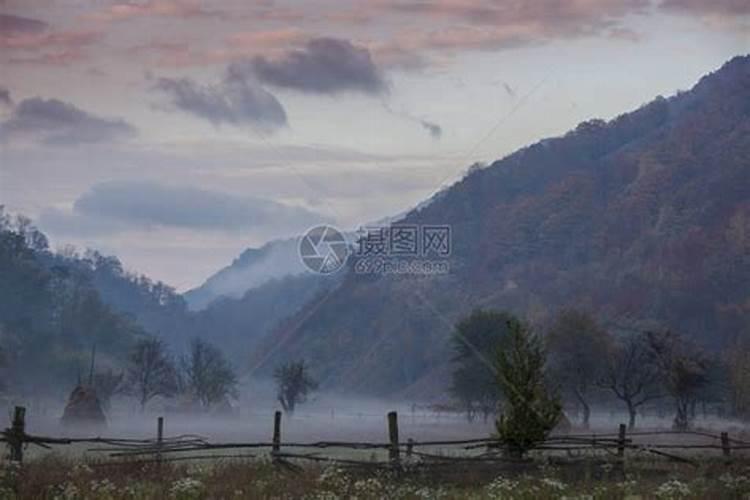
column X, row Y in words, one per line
column 84, row 408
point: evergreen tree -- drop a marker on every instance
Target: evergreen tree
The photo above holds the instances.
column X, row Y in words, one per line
column 532, row 410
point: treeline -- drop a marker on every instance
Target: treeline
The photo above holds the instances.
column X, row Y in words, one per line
column 50, row 314
column 56, row 305
column 587, row 365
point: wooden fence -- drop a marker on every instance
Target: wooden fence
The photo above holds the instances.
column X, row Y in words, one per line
column 399, row 453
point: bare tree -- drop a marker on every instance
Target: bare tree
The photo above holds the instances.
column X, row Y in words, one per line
column 151, row 371
column 293, row 384
column 107, row 384
column 578, row 349
column 631, row 374
column 208, row 374
column 684, row 372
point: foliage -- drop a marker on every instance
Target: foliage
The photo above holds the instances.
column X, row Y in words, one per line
column 151, row 371
column 293, row 382
column 50, row 313
column 208, row 375
column 578, row 349
column 532, row 409
column 475, row 343
column 683, row 370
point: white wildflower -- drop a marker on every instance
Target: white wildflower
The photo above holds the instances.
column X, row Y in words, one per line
column 186, row 488
column 673, row 489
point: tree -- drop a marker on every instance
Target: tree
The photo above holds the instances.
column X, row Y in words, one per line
column 208, row 374
column 293, row 383
column 151, row 371
column 475, row 343
column 532, row 409
column 578, row 350
column 107, row 384
column 683, row 371
column 631, row 374
column 737, row 361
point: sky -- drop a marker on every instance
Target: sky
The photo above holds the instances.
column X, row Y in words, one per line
column 176, row 133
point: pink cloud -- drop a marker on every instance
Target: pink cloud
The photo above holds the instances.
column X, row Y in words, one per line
column 465, row 25
column 47, row 48
column 155, row 8
column 35, row 41
column 234, row 46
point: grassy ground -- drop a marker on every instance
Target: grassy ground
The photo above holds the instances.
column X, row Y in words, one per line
column 57, row 477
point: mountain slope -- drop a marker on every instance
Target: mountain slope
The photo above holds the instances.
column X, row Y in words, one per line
column 643, row 218
column 254, row 267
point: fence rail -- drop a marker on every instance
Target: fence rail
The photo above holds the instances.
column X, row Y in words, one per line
column 417, row 453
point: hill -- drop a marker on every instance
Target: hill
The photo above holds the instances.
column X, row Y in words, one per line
column 644, row 218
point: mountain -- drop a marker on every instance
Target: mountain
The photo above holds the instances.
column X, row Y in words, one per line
column 276, row 259
column 641, row 219
column 235, row 324
column 254, row 266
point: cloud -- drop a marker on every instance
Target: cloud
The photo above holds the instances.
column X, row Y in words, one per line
column 54, row 122
column 236, row 100
column 29, row 41
column 438, row 30
column 16, row 25
column 700, row 7
column 118, row 206
column 323, row 66
column 719, row 14
column 184, row 9
column 435, row 130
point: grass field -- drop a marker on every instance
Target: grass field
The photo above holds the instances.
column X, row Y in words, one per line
column 58, row 477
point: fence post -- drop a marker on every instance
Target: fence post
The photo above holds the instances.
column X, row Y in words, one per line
column 621, row 441
column 276, row 433
column 17, row 433
column 409, row 447
column 159, row 438
column 725, row 446
column 393, row 451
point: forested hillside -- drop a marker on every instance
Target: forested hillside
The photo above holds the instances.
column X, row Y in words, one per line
column 51, row 315
column 55, row 307
column 643, row 219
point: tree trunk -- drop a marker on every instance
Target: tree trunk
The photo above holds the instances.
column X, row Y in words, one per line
column 585, row 407
column 632, row 413
column 586, row 415
column 681, row 419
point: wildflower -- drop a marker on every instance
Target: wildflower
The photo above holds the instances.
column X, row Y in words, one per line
column 673, row 489
column 553, row 484
column 186, row 488
column 738, row 484
column 501, row 488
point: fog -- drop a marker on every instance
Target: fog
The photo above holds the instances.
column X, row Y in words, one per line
column 325, row 417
